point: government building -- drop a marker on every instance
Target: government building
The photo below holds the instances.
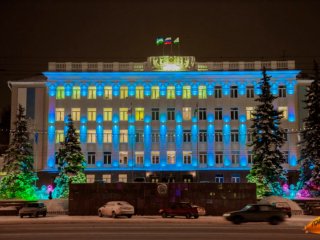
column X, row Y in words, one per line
column 170, row 118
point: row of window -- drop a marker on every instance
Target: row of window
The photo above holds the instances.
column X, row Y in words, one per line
column 170, row 92
column 139, row 113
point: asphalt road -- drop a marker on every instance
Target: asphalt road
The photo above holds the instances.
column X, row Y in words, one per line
column 149, row 228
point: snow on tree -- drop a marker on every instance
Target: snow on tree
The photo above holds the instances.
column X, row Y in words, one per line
column 310, row 141
column 19, row 181
column 267, row 171
column 71, row 162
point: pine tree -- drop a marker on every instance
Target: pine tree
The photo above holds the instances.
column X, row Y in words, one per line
column 267, row 171
column 20, row 178
column 310, row 143
column 71, row 162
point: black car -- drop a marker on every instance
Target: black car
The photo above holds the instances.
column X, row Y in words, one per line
column 257, row 213
column 33, row 209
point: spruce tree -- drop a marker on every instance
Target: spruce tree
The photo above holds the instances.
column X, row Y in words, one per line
column 267, row 171
column 310, row 142
column 20, row 179
column 71, row 162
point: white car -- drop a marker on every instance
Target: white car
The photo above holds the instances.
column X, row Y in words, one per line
column 115, row 209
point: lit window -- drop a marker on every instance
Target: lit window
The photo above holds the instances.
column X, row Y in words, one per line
column 107, row 114
column 139, row 158
column 186, row 157
column 249, row 112
column 91, row 136
column 59, row 136
column 171, row 92
column 186, row 113
column 92, row 114
column 90, row 178
column 106, row 178
column 171, row 157
column 124, row 136
column 123, row 158
column 75, row 114
column 123, row 92
column 107, row 93
column 59, row 114
column 91, row 158
column 202, row 92
column 92, row 92
column 186, row 92
column 139, row 112
column 76, row 92
column 155, row 157
column 284, row 112
column 60, row 93
column 139, row 92
column 107, row 136
column 155, row 92
column 122, row 178
column 123, row 114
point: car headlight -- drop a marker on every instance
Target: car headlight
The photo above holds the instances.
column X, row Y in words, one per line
column 226, row 215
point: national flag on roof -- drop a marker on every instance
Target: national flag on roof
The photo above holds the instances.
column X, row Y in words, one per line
column 176, row 41
column 167, row 41
column 159, row 41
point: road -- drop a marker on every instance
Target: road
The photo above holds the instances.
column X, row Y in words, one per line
column 148, row 228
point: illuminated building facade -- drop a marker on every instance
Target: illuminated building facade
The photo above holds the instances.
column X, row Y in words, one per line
column 167, row 119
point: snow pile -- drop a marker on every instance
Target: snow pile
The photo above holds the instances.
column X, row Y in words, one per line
column 295, row 208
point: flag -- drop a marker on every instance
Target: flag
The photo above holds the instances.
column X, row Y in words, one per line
column 159, row 41
column 167, row 41
column 176, row 41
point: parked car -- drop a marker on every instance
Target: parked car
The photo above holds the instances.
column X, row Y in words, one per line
column 115, row 209
column 256, row 213
column 201, row 210
column 180, row 209
column 33, row 209
column 283, row 206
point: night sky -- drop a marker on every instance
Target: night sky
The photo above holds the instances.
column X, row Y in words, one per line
column 34, row 32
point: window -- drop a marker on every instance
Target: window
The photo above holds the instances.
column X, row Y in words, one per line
column 171, row 114
column 91, row 158
column 123, row 158
column 60, row 93
column 107, row 158
column 155, row 157
column 186, row 92
column 76, row 92
column 218, row 136
column 186, row 136
column 203, row 158
column 285, row 135
column 139, row 92
column 171, row 92
column 139, row 112
column 286, row 156
column 202, row 92
column 249, row 112
column 123, row 114
column 282, row 92
column 122, row 178
column 92, row 92
column 171, row 157
column 59, row 136
column 155, row 92
column 107, row 93
column 107, row 114
column 249, row 136
column 217, row 92
column 59, row 114
column 203, row 136
column 219, row 178
column 124, row 136
column 92, row 114
column 234, row 92
column 90, row 178
column 218, row 113
column 186, row 157
column 234, row 136
column 107, row 136
column 186, row 113
column 235, row 178
column 219, row 157
column 202, row 114
column 139, row 158
column 235, row 157
column 123, row 92
column 106, row 178
column 91, row 136
column 250, row 157
column 139, row 136
column 171, row 136
column 75, row 114
column 155, row 136
column 155, row 114
column 234, row 113
column 284, row 111
column 250, row 92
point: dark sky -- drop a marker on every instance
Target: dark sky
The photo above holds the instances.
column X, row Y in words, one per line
column 34, row 32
